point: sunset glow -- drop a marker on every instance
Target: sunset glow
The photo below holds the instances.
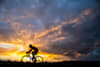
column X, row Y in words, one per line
column 62, row 30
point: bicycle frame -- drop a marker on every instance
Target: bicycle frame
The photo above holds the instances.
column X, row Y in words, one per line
column 29, row 57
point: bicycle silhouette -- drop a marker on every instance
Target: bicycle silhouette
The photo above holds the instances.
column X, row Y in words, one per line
column 29, row 58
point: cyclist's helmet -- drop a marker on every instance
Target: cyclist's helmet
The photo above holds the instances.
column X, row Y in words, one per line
column 30, row 45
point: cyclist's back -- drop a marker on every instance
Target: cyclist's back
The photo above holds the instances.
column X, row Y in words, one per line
column 35, row 49
column 31, row 50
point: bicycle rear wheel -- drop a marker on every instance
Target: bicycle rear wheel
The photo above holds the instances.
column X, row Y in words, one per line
column 39, row 59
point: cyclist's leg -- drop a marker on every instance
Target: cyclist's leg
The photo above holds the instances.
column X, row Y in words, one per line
column 33, row 57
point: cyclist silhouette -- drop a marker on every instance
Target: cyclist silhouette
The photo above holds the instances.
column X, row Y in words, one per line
column 33, row 50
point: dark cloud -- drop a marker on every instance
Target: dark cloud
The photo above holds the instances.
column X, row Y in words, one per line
column 2, row 1
column 84, row 35
column 98, row 1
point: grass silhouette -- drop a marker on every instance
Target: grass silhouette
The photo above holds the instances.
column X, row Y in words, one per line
column 64, row 63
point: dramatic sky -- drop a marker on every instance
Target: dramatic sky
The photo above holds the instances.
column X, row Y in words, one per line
column 61, row 29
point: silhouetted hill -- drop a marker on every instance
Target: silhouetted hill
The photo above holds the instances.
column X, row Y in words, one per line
column 61, row 64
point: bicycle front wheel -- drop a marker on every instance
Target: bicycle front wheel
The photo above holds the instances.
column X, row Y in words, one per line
column 26, row 59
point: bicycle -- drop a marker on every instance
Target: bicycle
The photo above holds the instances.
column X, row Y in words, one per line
column 28, row 58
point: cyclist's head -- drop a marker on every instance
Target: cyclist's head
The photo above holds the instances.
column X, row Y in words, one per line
column 30, row 45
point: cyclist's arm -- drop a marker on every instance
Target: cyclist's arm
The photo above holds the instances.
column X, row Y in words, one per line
column 29, row 51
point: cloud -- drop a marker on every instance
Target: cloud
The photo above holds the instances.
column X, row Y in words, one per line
column 58, row 26
column 1, row 2
column 84, row 35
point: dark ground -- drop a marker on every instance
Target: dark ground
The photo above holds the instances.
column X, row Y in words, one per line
column 60, row 64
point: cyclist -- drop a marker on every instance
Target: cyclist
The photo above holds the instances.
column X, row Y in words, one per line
column 34, row 51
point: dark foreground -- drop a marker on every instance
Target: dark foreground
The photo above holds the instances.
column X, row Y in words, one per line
column 61, row 64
